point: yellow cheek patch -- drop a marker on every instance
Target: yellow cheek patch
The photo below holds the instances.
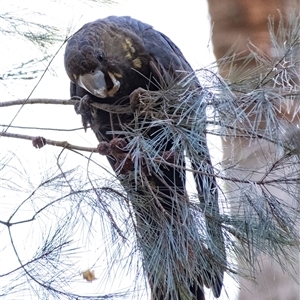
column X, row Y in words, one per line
column 128, row 47
column 128, row 55
column 137, row 63
column 125, row 46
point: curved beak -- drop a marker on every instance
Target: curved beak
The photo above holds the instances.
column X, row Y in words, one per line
column 95, row 84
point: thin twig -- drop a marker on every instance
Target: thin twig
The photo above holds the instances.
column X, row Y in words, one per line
column 38, row 101
column 63, row 144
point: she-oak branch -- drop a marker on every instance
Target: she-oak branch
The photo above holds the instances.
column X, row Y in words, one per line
column 43, row 141
column 39, row 142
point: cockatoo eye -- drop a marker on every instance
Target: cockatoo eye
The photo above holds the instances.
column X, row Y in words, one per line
column 100, row 56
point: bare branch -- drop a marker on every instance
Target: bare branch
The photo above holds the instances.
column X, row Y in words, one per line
column 64, row 144
column 38, row 101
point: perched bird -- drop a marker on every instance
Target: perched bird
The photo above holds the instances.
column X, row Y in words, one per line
column 114, row 64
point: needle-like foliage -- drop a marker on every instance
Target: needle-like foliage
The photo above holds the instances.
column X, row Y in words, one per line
column 259, row 108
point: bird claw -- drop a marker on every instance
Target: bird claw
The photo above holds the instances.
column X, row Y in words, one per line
column 104, row 148
column 117, row 149
column 135, row 98
column 83, row 108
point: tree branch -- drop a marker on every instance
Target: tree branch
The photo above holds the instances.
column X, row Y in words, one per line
column 38, row 101
column 63, row 144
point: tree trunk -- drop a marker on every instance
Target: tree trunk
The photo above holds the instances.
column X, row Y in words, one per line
column 235, row 23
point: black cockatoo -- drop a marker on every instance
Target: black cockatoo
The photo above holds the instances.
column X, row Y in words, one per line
column 114, row 65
